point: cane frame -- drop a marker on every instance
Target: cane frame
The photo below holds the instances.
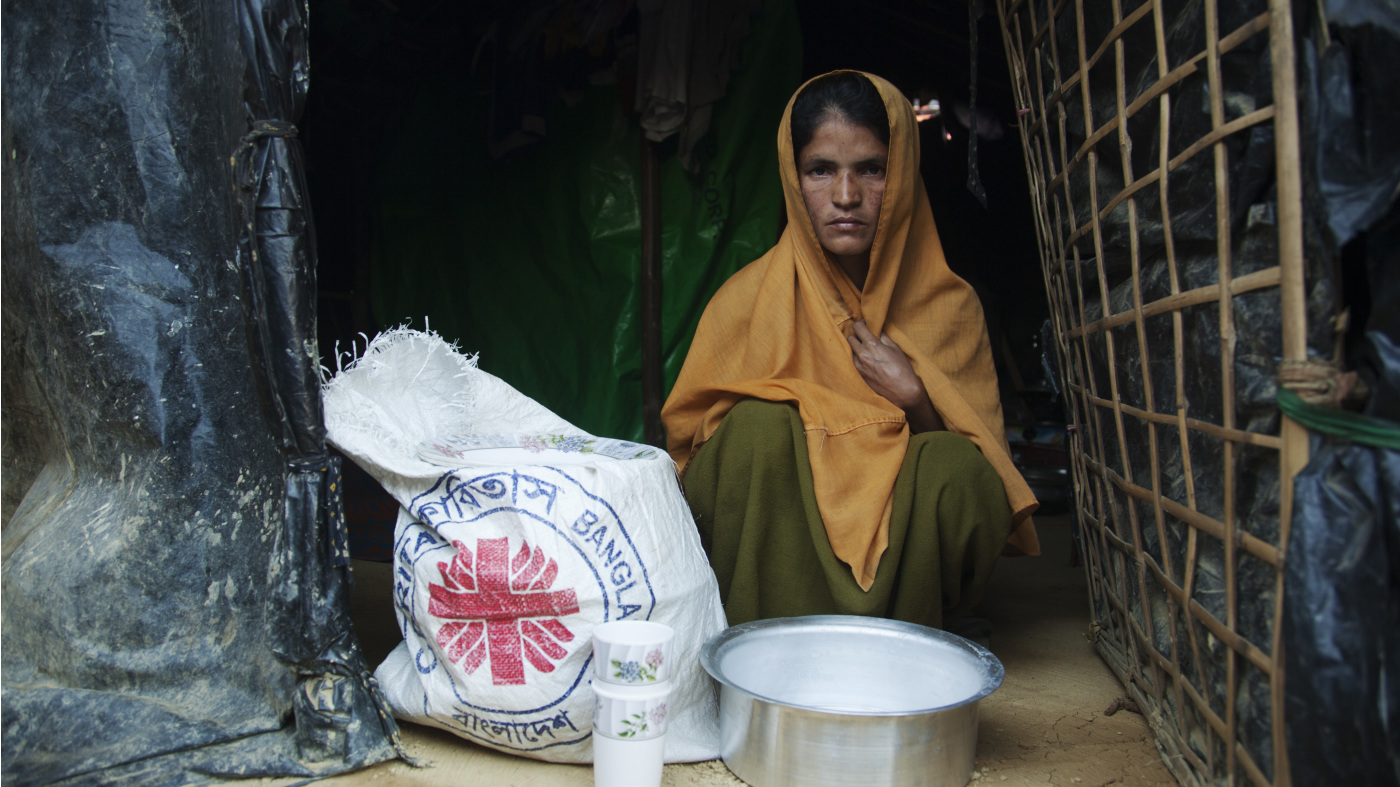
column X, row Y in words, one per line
column 1115, row 534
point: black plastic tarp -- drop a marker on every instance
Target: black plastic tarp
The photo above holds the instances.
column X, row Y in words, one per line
column 174, row 575
column 1341, row 633
column 1342, row 622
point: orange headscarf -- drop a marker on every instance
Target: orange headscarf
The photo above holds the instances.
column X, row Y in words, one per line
column 777, row 331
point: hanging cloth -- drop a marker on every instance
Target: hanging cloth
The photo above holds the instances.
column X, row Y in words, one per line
column 777, row 331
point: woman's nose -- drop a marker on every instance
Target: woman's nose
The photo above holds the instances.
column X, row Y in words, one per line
column 846, row 191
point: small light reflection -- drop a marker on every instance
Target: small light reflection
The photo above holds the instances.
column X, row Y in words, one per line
column 927, row 111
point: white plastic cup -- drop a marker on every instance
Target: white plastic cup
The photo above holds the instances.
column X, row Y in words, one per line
column 632, row 652
column 630, row 712
column 628, row 763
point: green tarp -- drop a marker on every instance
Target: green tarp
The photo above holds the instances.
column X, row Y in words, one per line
column 533, row 260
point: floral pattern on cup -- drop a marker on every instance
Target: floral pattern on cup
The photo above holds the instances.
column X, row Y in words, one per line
column 637, row 723
column 633, row 725
column 637, row 712
column 633, row 652
column 636, row 671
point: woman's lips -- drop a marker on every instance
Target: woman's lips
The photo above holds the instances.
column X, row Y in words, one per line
column 846, row 224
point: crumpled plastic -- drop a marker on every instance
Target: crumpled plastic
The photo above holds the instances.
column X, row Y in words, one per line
column 1342, row 616
column 175, row 575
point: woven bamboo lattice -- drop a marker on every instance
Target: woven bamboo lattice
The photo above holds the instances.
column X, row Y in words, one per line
column 1161, row 140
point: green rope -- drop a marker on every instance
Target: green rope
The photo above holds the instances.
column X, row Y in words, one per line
column 1339, row 423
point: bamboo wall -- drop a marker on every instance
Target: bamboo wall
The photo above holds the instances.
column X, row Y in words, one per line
column 1161, row 139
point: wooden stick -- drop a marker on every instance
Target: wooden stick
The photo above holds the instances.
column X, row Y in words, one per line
column 1110, row 352
column 654, row 433
column 1258, row 280
column 1292, row 294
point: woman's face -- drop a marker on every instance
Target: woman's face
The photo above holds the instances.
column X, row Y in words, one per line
column 842, row 173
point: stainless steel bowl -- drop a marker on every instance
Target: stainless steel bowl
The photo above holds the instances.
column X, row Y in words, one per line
column 840, row 700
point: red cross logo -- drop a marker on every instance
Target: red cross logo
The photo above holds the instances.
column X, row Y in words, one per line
column 502, row 609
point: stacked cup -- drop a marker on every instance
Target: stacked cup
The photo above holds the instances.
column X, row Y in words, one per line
column 631, row 689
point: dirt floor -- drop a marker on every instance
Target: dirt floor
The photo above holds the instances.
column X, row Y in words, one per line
column 1046, row 725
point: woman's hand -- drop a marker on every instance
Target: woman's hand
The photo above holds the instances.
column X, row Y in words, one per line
column 886, row 369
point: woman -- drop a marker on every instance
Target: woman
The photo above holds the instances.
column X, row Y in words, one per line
column 837, row 420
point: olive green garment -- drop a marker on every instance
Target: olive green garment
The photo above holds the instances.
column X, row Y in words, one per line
column 750, row 489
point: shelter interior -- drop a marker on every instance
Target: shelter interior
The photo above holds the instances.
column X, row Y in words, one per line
column 414, row 139
column 414, row 151
column 561, row 188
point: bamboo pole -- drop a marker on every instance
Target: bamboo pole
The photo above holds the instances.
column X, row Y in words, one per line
column 652, row 430
column 1292, row 293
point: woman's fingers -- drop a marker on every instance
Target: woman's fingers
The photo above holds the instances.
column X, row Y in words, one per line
column 861, row 334
column 858, row 353
column 874, row 356
column 881, row 362
column 860, row 331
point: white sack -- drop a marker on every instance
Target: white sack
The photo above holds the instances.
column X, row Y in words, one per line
column 502, row 570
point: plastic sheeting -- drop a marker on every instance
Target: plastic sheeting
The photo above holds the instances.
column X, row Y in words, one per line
column 1342, row 618
column 173, row 588
column 533, row 260
column 1378, row 355
column 1342, row 583
column 1349, row 74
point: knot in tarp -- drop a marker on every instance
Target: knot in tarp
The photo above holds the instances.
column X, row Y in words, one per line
column 262, row 129
column 1321, row 383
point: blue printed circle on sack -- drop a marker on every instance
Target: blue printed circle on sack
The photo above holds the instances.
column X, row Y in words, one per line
column 519, row 565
